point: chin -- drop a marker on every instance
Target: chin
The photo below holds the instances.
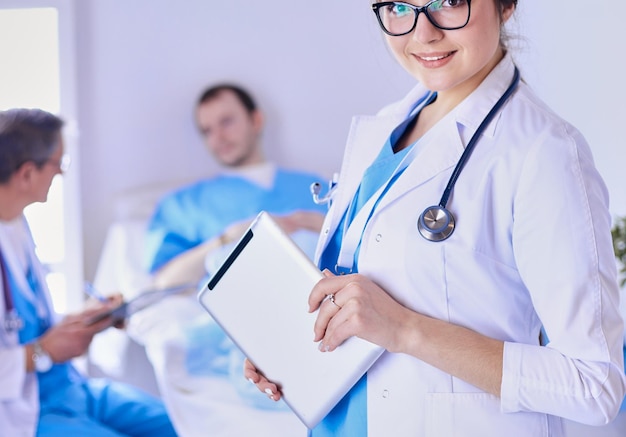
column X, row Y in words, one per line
column 233, row 161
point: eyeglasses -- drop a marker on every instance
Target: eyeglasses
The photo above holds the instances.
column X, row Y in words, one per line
column 62, row 164
column 400, row 18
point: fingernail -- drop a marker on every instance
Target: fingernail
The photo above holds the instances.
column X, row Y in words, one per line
column 269, row 391
column 250, row 379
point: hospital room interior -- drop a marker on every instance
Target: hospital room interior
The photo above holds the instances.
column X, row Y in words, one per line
column 126, row 75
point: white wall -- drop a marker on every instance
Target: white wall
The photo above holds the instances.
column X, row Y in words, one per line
column 141, row 64
column 574, row 58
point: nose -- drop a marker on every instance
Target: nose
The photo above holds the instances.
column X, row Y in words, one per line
column 218, row 135
column 425, row 31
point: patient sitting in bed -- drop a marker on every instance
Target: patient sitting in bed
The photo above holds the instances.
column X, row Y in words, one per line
column 198, row 369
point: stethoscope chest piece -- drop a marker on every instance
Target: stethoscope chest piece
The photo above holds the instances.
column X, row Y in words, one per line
column 436, row 223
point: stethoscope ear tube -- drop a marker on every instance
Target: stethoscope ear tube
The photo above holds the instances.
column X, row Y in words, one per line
column 316, row 189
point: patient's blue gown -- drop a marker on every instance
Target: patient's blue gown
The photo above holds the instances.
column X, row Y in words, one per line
column 203, row 210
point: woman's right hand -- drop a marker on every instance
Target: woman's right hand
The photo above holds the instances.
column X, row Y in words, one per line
column 254, row 376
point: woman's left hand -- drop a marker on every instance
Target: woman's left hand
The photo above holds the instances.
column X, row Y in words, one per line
column 263, row 384
column 353, row 305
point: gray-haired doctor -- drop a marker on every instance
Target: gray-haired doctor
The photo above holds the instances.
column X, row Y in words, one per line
column 41, row 391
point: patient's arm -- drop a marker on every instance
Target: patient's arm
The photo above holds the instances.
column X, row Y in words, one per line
column 189, row 266
column 300, row 220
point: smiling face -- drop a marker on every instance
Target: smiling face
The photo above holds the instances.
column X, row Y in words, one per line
column 453, row 62
column 230, row 131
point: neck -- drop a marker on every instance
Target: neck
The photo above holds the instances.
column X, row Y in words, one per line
column 449, row 99
column 256, row 158
column 249, row 168
column 10, row 205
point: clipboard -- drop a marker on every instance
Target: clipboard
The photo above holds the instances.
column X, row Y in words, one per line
column 259, row 297
column 139, row 302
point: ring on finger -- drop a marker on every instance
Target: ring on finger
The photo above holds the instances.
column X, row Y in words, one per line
column 331, row 297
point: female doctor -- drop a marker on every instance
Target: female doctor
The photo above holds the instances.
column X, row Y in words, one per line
column 474, row 217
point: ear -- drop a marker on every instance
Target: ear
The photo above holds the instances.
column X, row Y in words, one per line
column 507, row 12
column 24, row 175
column 257, row 120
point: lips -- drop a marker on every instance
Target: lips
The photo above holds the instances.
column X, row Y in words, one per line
column 433, row 58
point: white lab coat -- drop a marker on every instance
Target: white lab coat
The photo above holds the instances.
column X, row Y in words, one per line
column 19, row 394
column 532, row 245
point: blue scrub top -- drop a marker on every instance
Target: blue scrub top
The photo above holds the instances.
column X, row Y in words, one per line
column 349, row 416
column 202, row 211
column 71, row 404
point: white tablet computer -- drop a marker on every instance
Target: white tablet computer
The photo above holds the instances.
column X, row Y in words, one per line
column 259, row 296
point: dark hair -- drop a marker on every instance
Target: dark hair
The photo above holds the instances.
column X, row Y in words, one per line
column 505, row 37
column 214, row 91
column 506, row 3
column 26, row 135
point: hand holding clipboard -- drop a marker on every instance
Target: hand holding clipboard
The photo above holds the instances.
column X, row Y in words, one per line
column 138, row 303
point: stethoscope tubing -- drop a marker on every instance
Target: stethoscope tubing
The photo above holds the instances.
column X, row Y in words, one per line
column 436, row 223
column 472, row 143
column 12, row 321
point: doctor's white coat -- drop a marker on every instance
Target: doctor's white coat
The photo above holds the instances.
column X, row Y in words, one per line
column 19, row 392
column 532, row 246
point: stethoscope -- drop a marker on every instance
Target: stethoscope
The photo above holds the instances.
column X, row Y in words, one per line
column 436, row 223
column 12, row 321
column 316, row 189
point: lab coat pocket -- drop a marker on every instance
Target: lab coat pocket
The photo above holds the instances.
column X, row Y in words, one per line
column 478, row 415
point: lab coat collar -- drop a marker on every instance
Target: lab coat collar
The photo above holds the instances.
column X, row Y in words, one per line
column 444, row 144
column 19, row 252
column 369, row 133
column 475, row 107
column 473, row 110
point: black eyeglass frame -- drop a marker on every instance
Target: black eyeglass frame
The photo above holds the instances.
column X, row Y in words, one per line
column 417, row 10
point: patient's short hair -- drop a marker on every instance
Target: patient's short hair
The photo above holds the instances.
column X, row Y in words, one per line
column 26, row 135
column 214, row 91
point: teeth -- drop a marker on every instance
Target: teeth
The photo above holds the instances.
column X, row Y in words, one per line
column 432, row 58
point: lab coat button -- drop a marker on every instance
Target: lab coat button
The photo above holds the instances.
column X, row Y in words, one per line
column 379, row 237
column 326, row 231
column 385, row 394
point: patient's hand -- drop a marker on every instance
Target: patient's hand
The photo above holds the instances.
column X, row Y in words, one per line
column 254, row 376
column 290, row 223
column 305, row 220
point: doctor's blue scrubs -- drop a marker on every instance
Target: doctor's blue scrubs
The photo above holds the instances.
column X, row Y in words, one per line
column 73, row 405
